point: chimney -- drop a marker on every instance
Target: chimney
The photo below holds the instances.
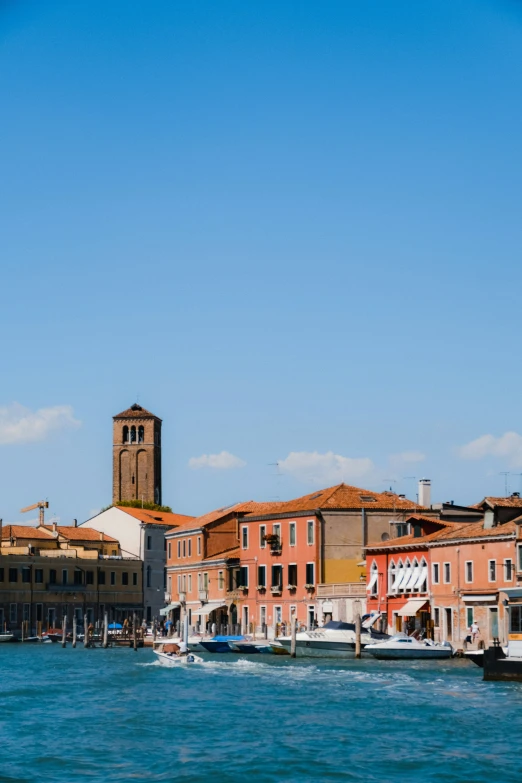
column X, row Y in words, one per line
column 101, row 536
column 425, row 493
column 75, row 523
column 55, row 525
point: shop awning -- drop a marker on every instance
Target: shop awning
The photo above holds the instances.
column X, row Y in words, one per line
column 470, row 598
column 411, row 607
column 208, row 608
column 373, row 580
column 169, row 608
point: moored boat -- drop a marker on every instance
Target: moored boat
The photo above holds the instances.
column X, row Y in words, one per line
column 402, row 647
column 251, row 648
column 7, row 637
column 335, row 639
column 219, row 644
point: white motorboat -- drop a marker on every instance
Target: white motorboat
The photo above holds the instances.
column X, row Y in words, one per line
column 401, row 647
column 335, row 639
column 173, row 659
column 8, row 637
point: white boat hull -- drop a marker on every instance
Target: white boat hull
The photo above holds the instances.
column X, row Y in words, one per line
column 172, row 660
column 429, row 653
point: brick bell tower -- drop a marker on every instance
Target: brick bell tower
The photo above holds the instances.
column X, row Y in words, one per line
column 136, row 460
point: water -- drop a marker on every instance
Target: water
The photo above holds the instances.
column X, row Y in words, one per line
column 116, row 715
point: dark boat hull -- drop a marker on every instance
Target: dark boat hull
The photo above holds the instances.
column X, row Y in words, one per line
column 497, row 667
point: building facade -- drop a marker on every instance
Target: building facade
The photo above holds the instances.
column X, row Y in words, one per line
column 136, row 456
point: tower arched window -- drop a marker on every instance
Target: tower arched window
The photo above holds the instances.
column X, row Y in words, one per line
column 133, row 435
column 141, row 434
column 125, row 436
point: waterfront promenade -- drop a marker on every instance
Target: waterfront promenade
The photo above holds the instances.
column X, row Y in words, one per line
column 74, row 715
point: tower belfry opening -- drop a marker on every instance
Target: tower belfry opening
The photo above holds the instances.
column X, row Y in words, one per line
column 136, row 456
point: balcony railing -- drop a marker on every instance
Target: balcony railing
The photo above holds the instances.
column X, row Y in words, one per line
column 276, row 589
column 342, row 590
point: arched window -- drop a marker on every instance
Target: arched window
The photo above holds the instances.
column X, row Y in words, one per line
column 125, row 436
column 373, row 584
column 149, row 571
column 133, row 435
column 409, row 584
column 399, row 574
column 422, row 579
column 141, row 434
column 391, row 576
column 407, row 575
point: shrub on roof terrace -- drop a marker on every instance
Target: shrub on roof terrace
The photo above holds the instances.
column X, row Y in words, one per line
column 139, row 504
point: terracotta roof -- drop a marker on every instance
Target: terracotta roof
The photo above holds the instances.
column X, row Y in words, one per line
column 25, row 531
column 213, row 516
column 228, row 553
column 156, row 517
column 136, row 412
column 342, row 496
column 80, row 533
column 510, row 502
column 452, row 531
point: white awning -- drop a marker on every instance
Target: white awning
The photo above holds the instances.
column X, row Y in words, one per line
column 413, row 578
column 373, row 580
column 411, row 607
column 406, row 573
column 470, row 598
column 204, row 611
column 421, row 578
column 167, row 609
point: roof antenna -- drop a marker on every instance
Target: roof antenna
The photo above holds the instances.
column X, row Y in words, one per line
column 394, row 481
column 505, row 473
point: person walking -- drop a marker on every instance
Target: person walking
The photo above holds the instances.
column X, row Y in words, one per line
column 475, row 630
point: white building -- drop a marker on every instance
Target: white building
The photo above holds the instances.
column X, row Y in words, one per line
column 141, row 533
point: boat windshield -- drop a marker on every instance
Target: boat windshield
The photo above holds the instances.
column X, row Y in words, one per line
column 337, row 625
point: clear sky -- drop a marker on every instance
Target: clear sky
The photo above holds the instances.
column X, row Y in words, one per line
column 292, row 228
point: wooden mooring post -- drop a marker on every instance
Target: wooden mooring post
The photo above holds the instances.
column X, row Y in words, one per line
column 85, row 631
column 135, row 632
column 74, row 632
column 105, row 642
column 294, row 635
column 64, row 631
column 357, row 635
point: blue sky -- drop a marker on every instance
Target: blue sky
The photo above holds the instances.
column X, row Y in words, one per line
column 292, row 228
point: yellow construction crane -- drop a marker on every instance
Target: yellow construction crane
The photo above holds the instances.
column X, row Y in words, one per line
column 41, row 506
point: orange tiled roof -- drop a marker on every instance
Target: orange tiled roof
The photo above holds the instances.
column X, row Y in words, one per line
column 136, row 412
column 451, row 531
column 213, row 516
column 156, row 517
column 509, row 502
column 25, row 531
column 228, row 553
column 342, row 496
column 80, row 533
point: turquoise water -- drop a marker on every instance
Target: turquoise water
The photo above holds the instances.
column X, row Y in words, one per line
column 116, row 715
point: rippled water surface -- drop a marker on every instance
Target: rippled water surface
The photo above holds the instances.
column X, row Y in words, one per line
column 116, row 715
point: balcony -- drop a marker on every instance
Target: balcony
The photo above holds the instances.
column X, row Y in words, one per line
column 276, row 589
column 203, row 595
column 342, row 590
column 182, row 598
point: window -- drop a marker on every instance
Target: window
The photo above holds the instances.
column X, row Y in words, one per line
column 200, row 581
column 221, row 580
column 179, row 549
column 292, row 534
column 205, row 580
column 125, row 434
column 278, row 615
column 149, row 615
column 13, row 575
column 52, row 576
column 149, row 542
column 134, row 579
column 508, row 570
column 190, row 583
column 436, row 616
column 373, row 585
column 101, row 577
column 310, row 531
column 169, row 582
column 190, row 547
column 262, row 534
column 469, row 616
column 89, row 577
column 2, row 575
column 492, row 571
column 447, row 573
column 26, row 611
column 469, row 571
column 276, row 531
column 26, row 574
column 243, row 576
column 261, row 576
column 124, row 577
column 184, row 548
column 262, row 617
column 391, row 576
column 435, row 573
column 277, row 576
column 184, row 582
column 170, row 550
column 38, row 576
column 113, row 578
column 39, row 613
column 133, row 434
column 179, row 583
column 199, row 545
column 149, row 576
column 310, row 573
column 244, row 537
column 78, row 577
column 141, row 434
column 12, row 613
column 65, row 576
column 515, row 618
column 292, row 575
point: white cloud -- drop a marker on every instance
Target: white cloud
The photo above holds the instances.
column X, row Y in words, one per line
column 222, row 461
column 324, row 469
column 508, row 446
column 21, row 425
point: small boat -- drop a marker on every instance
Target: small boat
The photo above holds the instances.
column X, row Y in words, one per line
column 250, row 648
column 335, row 639
column 35, row 639
column 219, row 644
column 477, row 656
column 8, row 637
column 278, row 649
column 172, row 659
column 402, row 647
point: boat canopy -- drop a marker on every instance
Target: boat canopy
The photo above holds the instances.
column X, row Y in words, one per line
column 169, row 608
column 203, row 611
column 411, row 607
column 337, row 625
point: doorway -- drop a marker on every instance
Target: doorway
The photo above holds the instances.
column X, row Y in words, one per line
column 448, row 625
column 51, row 618
column 493, row 622
column 245, row 620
